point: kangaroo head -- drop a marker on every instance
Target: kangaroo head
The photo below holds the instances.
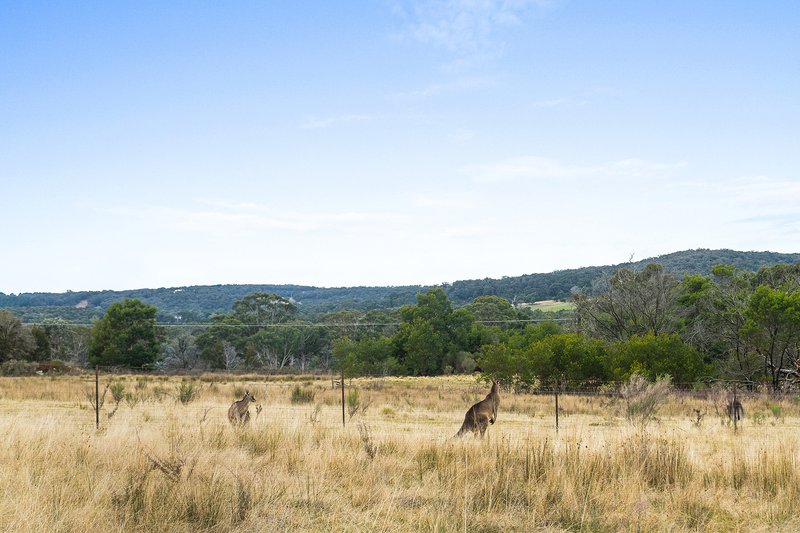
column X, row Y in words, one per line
column 495, row 387
column 249, row 397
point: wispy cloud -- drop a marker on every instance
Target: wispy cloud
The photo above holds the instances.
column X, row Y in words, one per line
column 558, row 102
column 467, row 231
column 316, row 123
column 219, row 217
column 554, row 102
column 463, row 26
column 444, row 202
column 535, row 168
column 463, row 135
column 767, row 200
column 437, row 89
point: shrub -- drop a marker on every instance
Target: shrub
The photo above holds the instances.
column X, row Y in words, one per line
column 643, row 399
column 353, row 402
column 186, row 392
column 301, row 395
column 14, row 367
column 117, row 389
column 159, row 392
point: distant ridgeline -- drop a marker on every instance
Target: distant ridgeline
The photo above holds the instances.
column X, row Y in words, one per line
column 198, row 303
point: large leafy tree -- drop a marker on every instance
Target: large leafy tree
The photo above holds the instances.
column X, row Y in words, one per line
column 716, row 309
column 262, row 331
column 492, row 310
column 773, row 326
column 630, row 302
column 16, row 341
column 545, row 355
column 568, row 356
column 225, row 332
column 262, row 308
column 42, row 350
column 657, row 355
column 432, row 334
column 127, row 335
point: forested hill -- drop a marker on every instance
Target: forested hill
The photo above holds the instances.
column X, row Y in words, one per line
column 558, row 285
column 197, row 303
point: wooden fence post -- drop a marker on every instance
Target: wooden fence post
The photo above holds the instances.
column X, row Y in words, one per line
column 557, row 406
column 342, row 396
column 97, row 396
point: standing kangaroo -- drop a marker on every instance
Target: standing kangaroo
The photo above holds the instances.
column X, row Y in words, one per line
column 239, row 411
column 483, row 413
column 735, row 410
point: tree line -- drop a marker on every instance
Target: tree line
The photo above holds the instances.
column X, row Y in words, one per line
column 732, row 324
column 198, row 304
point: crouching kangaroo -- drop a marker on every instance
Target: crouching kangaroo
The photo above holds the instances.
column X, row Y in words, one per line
column 483, row 413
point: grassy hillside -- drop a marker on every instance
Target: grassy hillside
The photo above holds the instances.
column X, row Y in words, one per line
column 197, row 303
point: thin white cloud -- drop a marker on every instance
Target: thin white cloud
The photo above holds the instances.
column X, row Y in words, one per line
column 764, row 199
column 538, row 168
column 463, row 135
column 220, row 218
column 437, row 89
column 316, row 123
column 444, row 202
column 463, row 26
column 554, row 102
column 469, row 231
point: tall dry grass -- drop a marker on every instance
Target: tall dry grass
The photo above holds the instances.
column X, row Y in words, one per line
column 161, row 465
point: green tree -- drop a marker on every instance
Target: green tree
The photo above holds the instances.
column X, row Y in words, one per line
column 180, row 350
column 543, row 352
column 61, row 336
column 505, row 364
column 347, row 361
column 630, row 302
column 225, row 330
column 261, row 308
column 127, row 336
column 570, row 356
column 773, row 326
column 657, row 355
column 492, row 309
column 16, row 341
column 715, row 313
column 41, row 351
column 432, row 334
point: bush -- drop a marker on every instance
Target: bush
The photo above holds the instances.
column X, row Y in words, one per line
column 354, row 403
column 14, row 367
column 300, row 395
column 159, row 393
column 117, row 389
column 186, row 392
column 643, row 399
column 465, row 363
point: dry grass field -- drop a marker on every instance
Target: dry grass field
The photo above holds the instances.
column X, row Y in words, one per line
column 160, row 465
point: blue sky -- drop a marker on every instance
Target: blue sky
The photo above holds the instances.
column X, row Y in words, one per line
column 162, row 144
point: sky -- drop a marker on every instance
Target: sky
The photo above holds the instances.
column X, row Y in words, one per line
column 388, row 142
